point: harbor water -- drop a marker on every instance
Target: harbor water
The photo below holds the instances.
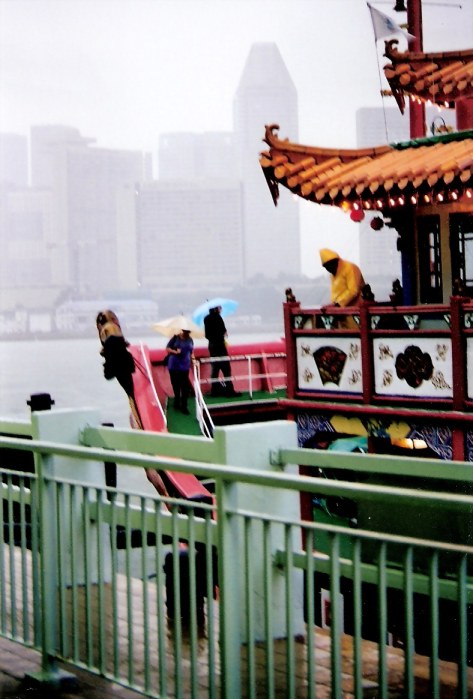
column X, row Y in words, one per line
column 71, row 371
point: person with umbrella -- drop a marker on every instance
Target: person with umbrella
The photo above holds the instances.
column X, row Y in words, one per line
column 180, row 349
column 216, row 332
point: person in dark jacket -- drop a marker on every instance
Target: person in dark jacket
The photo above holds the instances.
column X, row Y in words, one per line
column 119, row 362
column 216, row 333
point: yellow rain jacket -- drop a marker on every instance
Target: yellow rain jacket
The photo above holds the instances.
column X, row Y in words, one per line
column 346, row 283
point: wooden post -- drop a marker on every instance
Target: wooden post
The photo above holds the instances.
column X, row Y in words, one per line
column 291, row 358
column 366, row 353
column 458, row 353
column 458, row 374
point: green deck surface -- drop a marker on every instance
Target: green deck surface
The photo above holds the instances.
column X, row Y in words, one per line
column 187, row 424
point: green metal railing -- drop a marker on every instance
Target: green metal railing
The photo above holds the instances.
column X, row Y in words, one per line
column 241, row 597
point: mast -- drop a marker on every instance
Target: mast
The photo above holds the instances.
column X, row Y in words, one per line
column 414, row 26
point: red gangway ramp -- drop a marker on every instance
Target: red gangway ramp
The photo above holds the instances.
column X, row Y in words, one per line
column 149, row 400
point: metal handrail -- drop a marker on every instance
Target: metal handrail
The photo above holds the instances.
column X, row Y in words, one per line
column 251, row 376
column 202, row 412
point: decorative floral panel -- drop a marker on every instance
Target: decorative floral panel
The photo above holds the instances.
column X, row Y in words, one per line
column 469, row 367
column 419, row 367
column 326, row 364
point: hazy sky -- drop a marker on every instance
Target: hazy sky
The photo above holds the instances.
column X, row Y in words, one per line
column 124, row 71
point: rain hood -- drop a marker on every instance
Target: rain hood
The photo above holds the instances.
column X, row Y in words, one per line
column 326, row 255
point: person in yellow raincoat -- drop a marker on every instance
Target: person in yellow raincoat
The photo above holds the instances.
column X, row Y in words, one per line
column 346, row 284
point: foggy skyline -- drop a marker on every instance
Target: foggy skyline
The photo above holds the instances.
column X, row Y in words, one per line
column 125, row 71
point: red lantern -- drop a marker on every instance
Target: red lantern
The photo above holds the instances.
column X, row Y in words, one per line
column 377, row 223
column 357, row 215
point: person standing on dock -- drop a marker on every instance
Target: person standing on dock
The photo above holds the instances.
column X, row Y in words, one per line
column 346, row 284
column 216, row 333
column 180, row 349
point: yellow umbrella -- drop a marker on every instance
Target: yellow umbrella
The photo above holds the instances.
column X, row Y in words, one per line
column 173, row 326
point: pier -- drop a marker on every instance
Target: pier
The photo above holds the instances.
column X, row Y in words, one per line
column 241, row 597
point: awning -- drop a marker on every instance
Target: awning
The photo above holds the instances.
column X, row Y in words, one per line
column 440, row 167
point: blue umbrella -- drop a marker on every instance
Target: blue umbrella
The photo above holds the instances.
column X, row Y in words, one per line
column 228, row 306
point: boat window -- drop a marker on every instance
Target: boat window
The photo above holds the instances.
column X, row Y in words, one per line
column 430, row 265
column 461, row 245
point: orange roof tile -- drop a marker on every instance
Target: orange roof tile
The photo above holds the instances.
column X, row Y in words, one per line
column 330, row 176
column 441, row 78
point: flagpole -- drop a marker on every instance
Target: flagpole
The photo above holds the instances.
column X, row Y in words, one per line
column 414, row 26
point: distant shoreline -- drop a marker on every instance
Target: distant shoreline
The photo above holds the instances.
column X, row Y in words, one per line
column 133, row 332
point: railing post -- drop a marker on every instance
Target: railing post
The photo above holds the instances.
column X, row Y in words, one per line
column 229, row 573
column 250, row 446
column 250, row 378
column 62, row 426
column 366, row 353
column 458, row 352
column 459, row 373
column 291, row 358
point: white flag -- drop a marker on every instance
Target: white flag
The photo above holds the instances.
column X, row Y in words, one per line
column 383, row 25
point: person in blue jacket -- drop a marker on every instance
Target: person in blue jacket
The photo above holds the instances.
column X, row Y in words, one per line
column 180, row 349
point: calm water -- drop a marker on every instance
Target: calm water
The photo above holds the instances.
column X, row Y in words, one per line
column 71, row 371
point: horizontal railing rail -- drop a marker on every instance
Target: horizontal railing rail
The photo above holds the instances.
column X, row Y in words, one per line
column 238, row 474
column 277, row 379
column 459, row 471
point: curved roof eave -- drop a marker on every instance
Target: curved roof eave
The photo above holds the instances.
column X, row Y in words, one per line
column 372, row 177
column 442, row 78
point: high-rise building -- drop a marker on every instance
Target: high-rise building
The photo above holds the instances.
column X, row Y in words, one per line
column 189, row 221
column 209, row 219
column 266, row 94
column 26, row 238
column 189, row 234
column 13, row 160
column 197, row 156
column 89, row 187
column 98, row 179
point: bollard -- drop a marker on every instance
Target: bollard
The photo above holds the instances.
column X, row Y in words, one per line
column 40, row 401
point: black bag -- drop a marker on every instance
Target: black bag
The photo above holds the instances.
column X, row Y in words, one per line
column 171, row 344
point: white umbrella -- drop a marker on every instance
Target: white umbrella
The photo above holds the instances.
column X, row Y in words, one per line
column 173, row 326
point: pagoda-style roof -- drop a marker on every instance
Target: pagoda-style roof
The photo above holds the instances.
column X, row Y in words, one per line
column 440, row 78
column 440, row 167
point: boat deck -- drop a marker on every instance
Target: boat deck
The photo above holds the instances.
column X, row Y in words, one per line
column 225, row 410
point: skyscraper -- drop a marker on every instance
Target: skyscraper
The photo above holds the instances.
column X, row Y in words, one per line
column 13, row 160
column 266, row 94
column 197, row 156
column 189, row 221
column 89, row 187
column 189, row 234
